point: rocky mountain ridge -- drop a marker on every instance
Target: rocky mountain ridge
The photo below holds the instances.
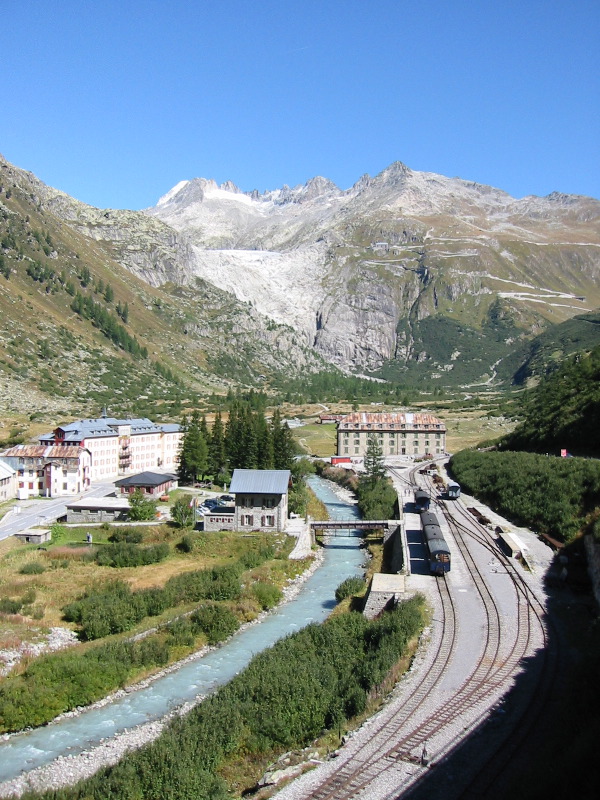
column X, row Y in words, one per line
column 357, row 270
column 368, row 278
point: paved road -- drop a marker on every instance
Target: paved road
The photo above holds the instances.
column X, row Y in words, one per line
column 41, row 511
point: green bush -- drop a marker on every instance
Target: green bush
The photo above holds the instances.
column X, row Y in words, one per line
column 182, row 632
column 126, row 554
column 376, row 499
column 186, row 545
column 266, row 594
column 548, row 494
column 351, row 586
column 130, row 535
column 285, row 698
column 216, row 622
column 8, row 606
column 32, row 568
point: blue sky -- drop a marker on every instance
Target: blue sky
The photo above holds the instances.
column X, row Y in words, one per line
column 115, row 102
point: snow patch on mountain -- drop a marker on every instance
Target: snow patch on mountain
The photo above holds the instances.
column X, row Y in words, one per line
column 283, row 286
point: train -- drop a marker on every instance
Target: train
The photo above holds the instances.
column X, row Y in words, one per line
column 453, row 490
column 422, row 500
column 438, row 551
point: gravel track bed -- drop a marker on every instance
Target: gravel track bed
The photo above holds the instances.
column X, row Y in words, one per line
column 400, row 775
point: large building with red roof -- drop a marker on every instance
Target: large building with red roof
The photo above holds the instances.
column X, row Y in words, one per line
column 48, row 471
column 398, row 434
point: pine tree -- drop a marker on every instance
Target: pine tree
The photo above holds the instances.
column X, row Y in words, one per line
column 217, row 458
column 193, row 457
column 249, row 449
column 266, row 457
column 373, row 463
column 233, row 436
column 284, row 448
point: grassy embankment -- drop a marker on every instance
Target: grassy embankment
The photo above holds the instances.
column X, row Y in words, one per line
column 245, row 575
column 288, row 697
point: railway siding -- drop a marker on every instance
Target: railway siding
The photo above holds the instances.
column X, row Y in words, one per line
column 487, row 615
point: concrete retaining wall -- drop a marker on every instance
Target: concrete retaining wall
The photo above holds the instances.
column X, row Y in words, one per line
column 394, row 549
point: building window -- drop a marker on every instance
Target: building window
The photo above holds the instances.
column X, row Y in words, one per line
column 356, row 449
column 248, row 519
column 65, row 486
column 345, row 449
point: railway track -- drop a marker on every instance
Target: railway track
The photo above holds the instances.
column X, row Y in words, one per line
column 407, row 733
column 487, row 781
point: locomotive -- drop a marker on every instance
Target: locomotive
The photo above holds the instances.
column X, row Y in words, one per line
column 437, row 550
column 422, row 500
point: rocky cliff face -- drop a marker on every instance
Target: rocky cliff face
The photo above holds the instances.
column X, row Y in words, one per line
column 351, row 268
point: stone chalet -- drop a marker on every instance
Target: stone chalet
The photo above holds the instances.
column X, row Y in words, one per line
column 155, row 484
column 120, row 446
column 398, row 434
column 261, row 502
column 48, row 471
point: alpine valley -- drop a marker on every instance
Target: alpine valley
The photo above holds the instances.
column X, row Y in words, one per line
column 406, row 276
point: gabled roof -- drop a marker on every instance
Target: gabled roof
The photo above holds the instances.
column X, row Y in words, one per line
column 409, row 418
column 107, row 426
column 6, row 471
column 260, row 481
column 146, row 479
column 43, row 451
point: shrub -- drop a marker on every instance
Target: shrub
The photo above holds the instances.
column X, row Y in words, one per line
column 124, row 554
column 267, row 594
column 549, row 494
column 216, row 622
column 181, row 631
column 351, row 586
column 141, row 507
column 182, row 513
column 32, row 568
column 8, row 606
column 129, row 535
column 186, row 545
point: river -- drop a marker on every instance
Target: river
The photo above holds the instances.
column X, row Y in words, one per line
column 69, row 735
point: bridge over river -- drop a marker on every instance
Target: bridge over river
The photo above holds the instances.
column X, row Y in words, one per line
column 332, row 526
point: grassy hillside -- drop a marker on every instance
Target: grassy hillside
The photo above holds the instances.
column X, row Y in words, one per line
column 548, row 350
column 79, row 331
column 563, row 411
